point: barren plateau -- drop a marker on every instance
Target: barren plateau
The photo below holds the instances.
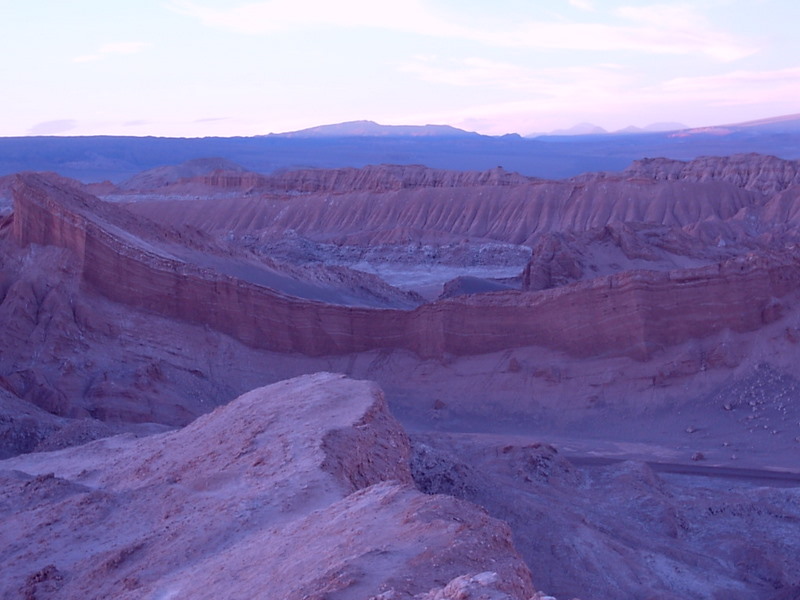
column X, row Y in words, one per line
column 397, row 382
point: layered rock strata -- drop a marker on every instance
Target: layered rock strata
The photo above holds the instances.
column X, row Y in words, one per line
column 516, row 214
column 754, row 172
column 632, row 313
column 765, row 174
column 215, row 175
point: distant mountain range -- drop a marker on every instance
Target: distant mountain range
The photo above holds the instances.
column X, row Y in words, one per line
column 785, row 123
column 782, row 124
column 373, row 129
column 360, row 143
column 591, row 129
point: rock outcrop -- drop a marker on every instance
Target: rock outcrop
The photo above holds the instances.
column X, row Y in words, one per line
column 764, row 174
column 381, row 178
column 24, row 427
column 298, row 490
column 753, row 172
column 555, row 262
column 161, row 177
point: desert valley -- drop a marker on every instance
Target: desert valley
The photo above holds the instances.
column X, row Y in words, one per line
column 386, row 380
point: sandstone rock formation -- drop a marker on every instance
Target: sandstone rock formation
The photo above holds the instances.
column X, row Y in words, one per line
column 515, row 214
column 218, row 175
column 161, row 177
column 765, row 174
column 621, row 313
column 297, row 490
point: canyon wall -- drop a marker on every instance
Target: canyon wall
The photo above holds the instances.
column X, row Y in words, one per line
column 125, row 268
column 753, row 172
column 632, row 313
column 214, row 176
column 516, row 214
column 761, row 173
column 379, row 178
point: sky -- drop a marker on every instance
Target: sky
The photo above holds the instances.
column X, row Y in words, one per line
column 196, row 68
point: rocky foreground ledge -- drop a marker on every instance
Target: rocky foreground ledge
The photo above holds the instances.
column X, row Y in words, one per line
column 298, row 490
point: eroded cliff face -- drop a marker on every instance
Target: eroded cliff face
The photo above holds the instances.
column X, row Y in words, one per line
column 516, row 214
column 633, row 313
column 212, row 176
column 765, row 174
column 387, row 177
column 752, row 172
column 630, row 313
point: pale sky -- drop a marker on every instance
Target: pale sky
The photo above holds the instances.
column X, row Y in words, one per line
column 225, row 67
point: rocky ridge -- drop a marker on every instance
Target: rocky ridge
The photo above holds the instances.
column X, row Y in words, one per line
column 516, row 214
column 161, row 177
column 620, row 313
column 761, row 173
column 210, row 176
column 302, row 488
